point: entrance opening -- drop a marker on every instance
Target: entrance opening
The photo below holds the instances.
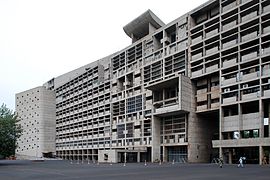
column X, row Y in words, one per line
column 251, row 154
column 177, row 154
column 146, row 156
column 48, row 155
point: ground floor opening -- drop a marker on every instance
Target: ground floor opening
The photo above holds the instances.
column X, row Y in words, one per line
column 132, row 157
column 174, row 154
column 232, row 155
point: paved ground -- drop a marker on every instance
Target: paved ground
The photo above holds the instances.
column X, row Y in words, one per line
column 64, row 170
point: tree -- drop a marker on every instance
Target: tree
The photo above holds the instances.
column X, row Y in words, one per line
column 10, row 131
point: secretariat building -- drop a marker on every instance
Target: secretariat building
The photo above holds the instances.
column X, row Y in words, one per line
column 187, row 91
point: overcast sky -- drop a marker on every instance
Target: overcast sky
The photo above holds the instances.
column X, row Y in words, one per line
column 42, row 39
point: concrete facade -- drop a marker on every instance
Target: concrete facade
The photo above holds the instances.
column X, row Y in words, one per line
column 36, row 111
column 188, row 91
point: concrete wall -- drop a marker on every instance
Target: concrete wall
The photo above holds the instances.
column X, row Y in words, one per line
column 199, row 135
column 111, row 156
column 36, row 111
column 155, row 138
column 184, row 93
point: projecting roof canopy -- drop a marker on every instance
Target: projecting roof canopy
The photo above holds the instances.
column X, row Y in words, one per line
column 139, row 27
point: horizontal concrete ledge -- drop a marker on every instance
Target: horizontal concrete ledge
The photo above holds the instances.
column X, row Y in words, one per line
column 241, row 142
column 163, row 83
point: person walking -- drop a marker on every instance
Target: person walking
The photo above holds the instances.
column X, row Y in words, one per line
column 241, row 159
column 220, row 161
column 264, row 161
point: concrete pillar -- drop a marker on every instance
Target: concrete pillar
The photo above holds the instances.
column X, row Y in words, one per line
column 165, row 154
column 261, row 154
column 261, row 116
column 138, row 156
column 221, row 120
column 240, row 122
column 221, row 152
column 134, row 39
column 230, row 156
column 155, row 138
column 151, row 28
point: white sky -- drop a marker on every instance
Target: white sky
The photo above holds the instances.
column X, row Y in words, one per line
column 42, row 39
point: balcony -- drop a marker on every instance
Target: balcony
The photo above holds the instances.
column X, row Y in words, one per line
column 181, row 45
column 251, row 121
column 211, row 68
column 114, row 135
column 167, row 105
column 229, row 25
column 250, row 76
column 266, row 9
column 215, row 105
column 196, row 40
column 250, row 96
column 169, row 141
column 245, row 1
column 249, row 16
column 230, row 123
column 137, row 143
column 137, row 133
column 214, row 88
column 266, row 29
column 266, row 51
column 266, row 93
column 201, row 97
column 170, row 50
column 197, row 73
column 202, row 107
column 229, row 6
column 250, row 36
column 249, row 56
column 230, row 62
column 196, row 56
column 167, row 109
column 215, row 95
column 229, row 100
column 266, row 71
column 212, row 50
column 229, row 43
column 211, row 33
column 228, row 81
column 202, row 91
column 180, row 140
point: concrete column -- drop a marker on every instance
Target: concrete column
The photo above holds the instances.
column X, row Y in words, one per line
column 261, row 154
column 221, row 152
column 151, row 28
column 261, row 116
column 155, row 138
column 230, row 156
column 165, row 154
column 240, row 122
column 138, row 156
column 221, row 120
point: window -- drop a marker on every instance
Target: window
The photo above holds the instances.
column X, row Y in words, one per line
column 106, row 157
column 134, row 104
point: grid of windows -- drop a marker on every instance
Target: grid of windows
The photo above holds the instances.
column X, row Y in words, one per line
column 134, row 104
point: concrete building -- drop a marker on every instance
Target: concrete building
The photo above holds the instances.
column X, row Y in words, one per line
column 191, row 90
column 36, row 112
